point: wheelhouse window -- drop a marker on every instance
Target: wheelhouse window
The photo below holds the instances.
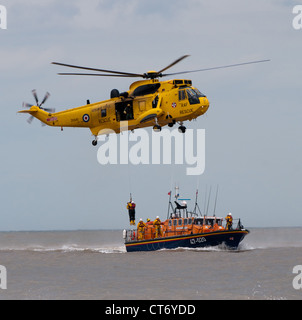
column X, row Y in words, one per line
column 179, row 222
column 198, row 221
column 174, row 222
column 219, row 222
column 185, row 222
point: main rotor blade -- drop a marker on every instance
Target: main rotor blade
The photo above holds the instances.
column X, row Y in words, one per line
column 99, row 70
column 173, row 63
column 214, row 68
column 97, row 74
column 34, row 92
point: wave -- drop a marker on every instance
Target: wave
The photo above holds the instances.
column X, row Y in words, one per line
column 67, row 248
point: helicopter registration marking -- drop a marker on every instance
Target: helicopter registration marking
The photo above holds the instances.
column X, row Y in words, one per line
column 186, row 111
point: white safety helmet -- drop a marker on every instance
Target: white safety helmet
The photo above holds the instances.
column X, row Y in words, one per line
column 140, row 219
column 157, row 217
column 230, row 214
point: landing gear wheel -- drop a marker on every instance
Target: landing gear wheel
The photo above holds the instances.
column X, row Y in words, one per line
column 94, row 142
column 157, row 128
column 171, row 124
column 182, row 129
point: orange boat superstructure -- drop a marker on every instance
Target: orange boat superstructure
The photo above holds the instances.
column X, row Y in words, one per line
column 180, row 226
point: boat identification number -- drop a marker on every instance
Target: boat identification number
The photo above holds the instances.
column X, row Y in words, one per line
column 198, row 240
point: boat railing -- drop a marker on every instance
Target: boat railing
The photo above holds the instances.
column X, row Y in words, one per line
column 130, row 235
column 239, row 225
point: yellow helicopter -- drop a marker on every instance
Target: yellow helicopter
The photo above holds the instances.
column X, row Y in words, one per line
column 148, row 102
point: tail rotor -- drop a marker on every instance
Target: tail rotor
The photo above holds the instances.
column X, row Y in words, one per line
column 39, row 105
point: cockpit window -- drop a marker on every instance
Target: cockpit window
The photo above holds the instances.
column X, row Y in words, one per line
column 199, row 94
column 192, row 96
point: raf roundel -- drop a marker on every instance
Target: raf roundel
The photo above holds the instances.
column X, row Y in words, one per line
column 86, row 118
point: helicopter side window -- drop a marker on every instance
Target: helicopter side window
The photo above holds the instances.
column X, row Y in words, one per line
column 182, row 95
column 124, row 111
column 155, row 102
column 192, row 96
column 103, row 112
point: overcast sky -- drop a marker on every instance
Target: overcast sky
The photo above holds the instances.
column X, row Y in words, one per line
column 51, row 180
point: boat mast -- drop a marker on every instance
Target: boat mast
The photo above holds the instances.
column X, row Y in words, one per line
column 170, row 205
column 196, row 205
column 215, row 200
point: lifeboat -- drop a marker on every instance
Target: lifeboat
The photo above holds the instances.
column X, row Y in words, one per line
column 184, row 229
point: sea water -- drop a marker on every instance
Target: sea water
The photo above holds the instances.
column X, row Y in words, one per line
column 95, row 265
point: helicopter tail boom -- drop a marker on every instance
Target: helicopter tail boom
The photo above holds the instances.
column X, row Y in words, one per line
column 38, row 113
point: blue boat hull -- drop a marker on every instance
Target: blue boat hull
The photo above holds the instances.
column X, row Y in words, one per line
column 229, row 238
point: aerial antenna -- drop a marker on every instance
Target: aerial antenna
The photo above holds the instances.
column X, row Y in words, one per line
column 170, row 204
column 205, row 199
column 216, row 199
column 209, row 200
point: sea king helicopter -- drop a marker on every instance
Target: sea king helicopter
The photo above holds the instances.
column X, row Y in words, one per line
column 148, row 102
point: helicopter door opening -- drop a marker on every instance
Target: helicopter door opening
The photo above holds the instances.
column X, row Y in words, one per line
column 124, row 111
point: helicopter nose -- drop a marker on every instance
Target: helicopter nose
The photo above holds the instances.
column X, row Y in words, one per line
column 205, row 102
column 204, row 105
